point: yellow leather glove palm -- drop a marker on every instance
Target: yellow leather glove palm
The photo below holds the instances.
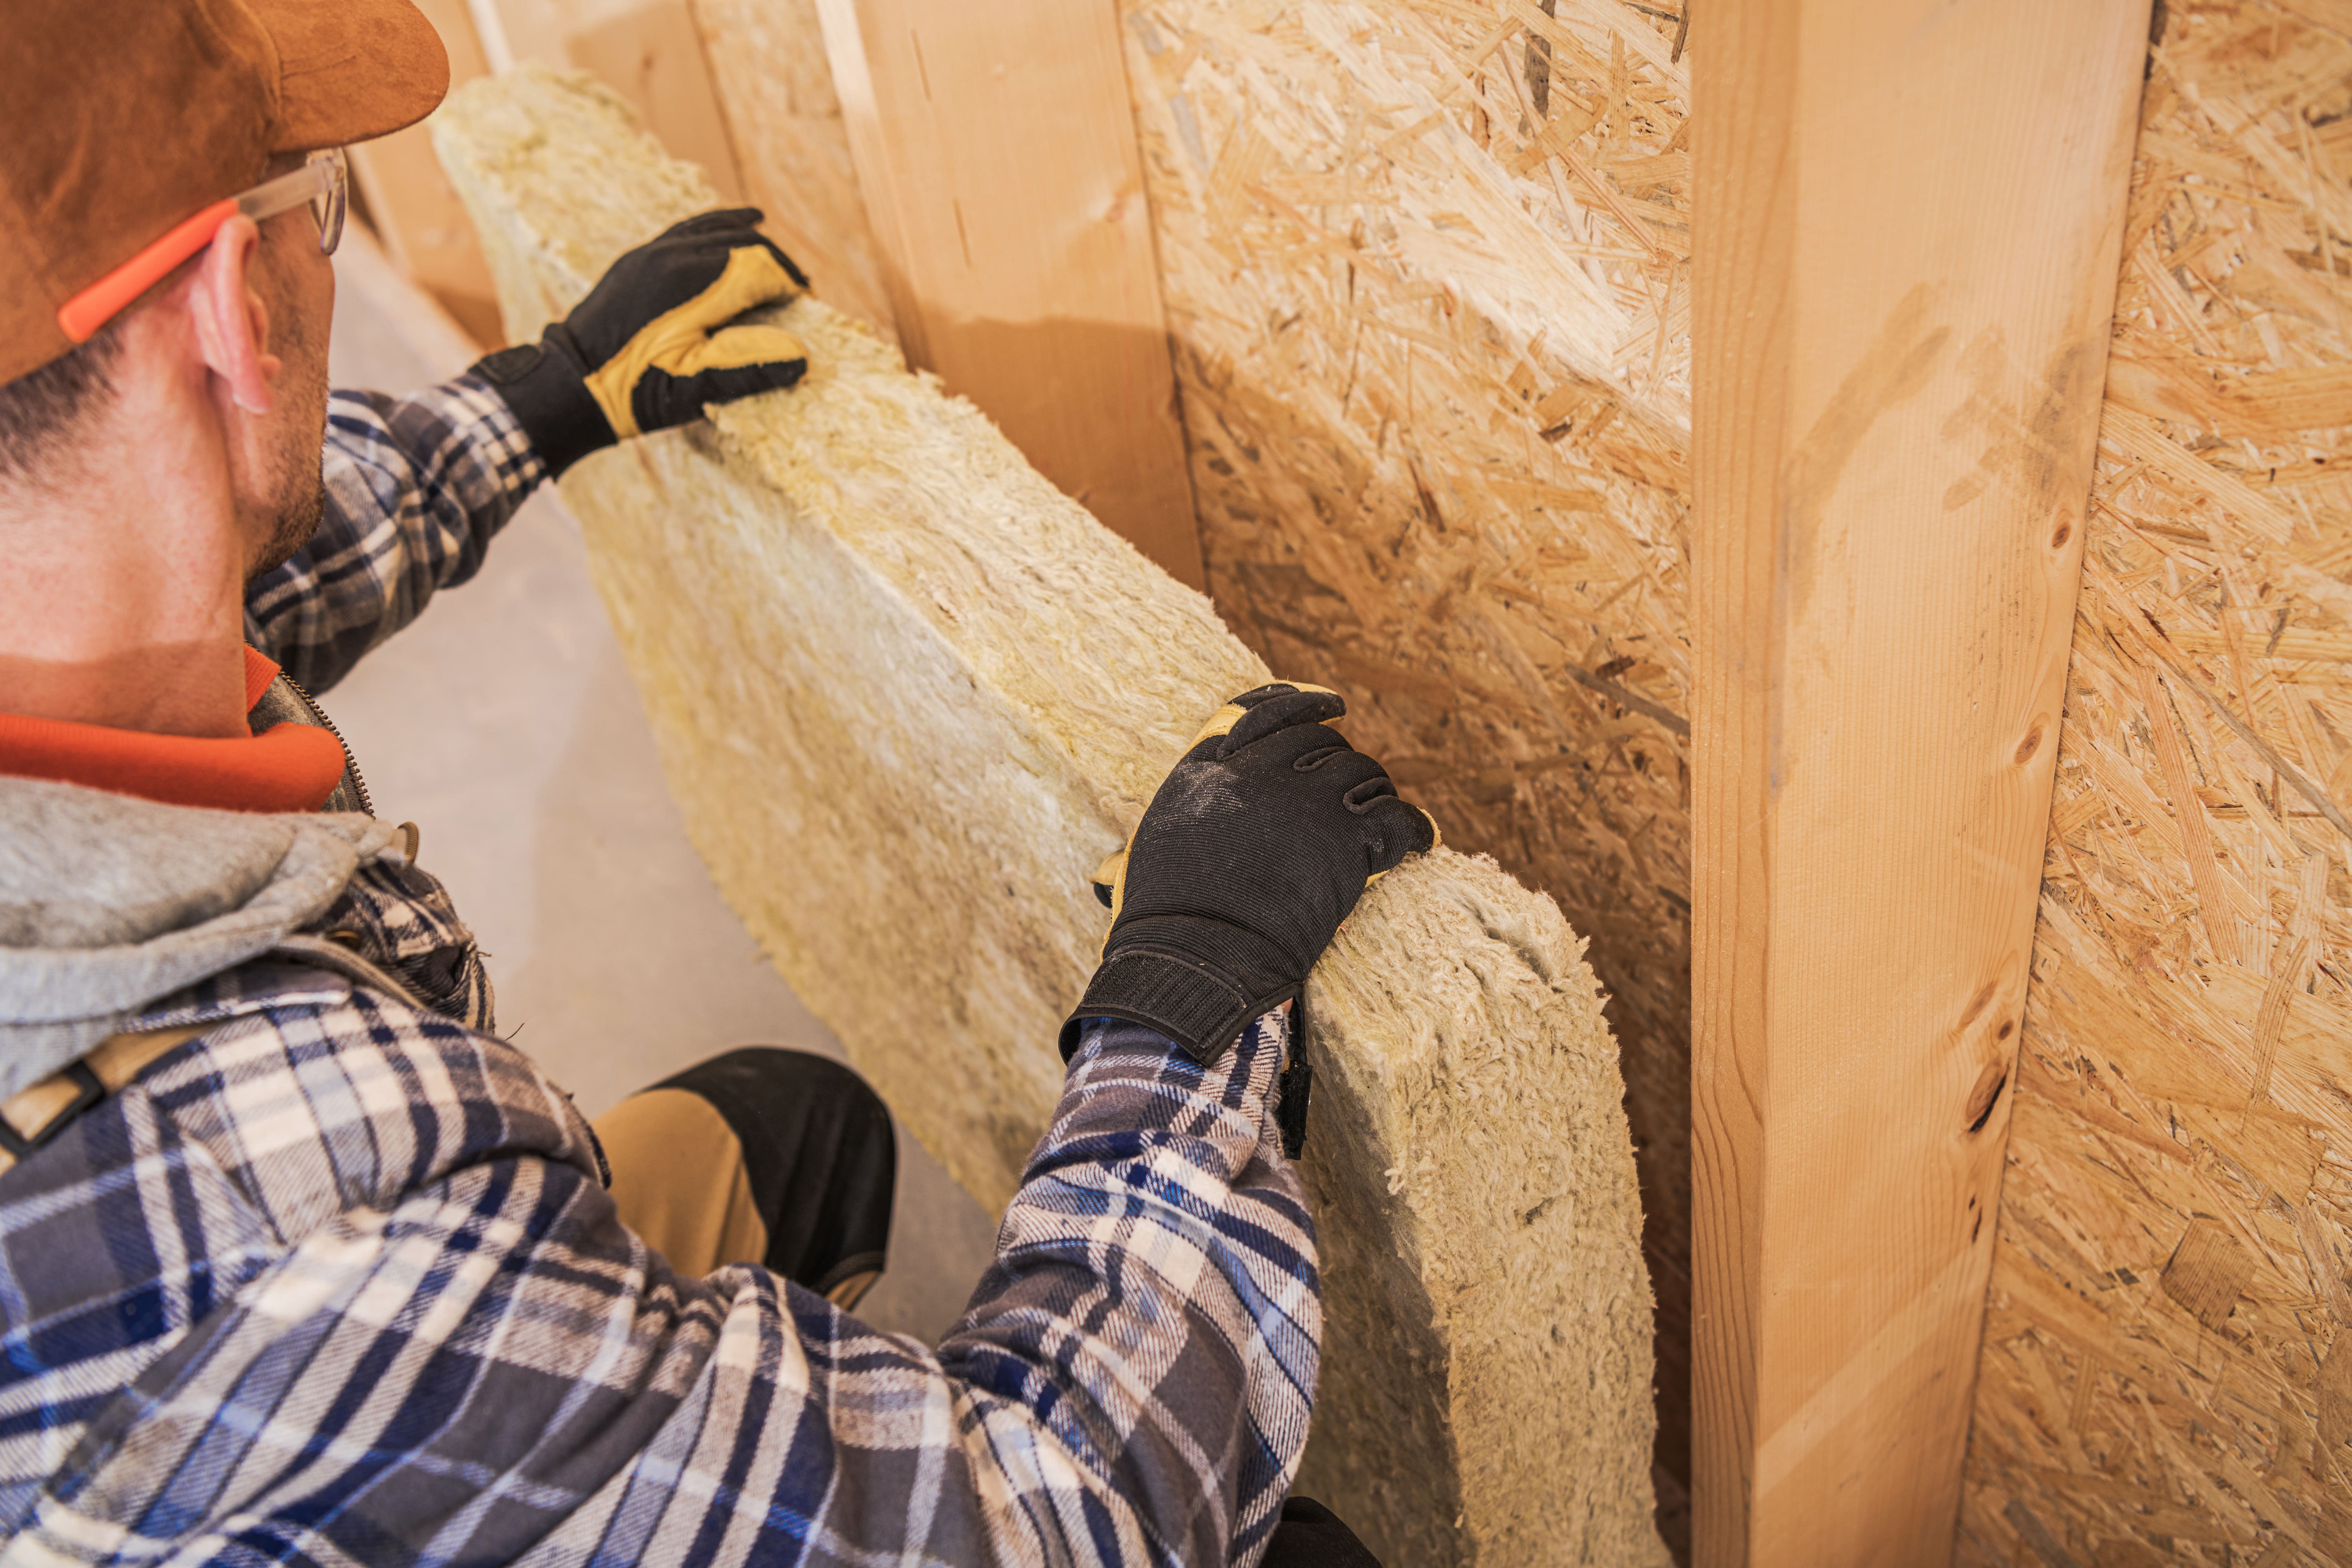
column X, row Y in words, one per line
column 657, row 340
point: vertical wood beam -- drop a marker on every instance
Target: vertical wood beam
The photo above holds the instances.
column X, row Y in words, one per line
column 1909, row 214
column 996, row 150
column 775, row 89
column 415, row 210
column 650, row 51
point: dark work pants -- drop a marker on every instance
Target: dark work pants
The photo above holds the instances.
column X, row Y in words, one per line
column 761, row 1155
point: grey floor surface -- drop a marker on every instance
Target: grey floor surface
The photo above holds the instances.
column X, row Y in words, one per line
column 504, row 723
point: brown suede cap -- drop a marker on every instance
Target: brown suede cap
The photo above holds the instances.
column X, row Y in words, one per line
column 132, row 116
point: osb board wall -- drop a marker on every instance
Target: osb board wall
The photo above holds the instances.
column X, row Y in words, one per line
column 2168, row 1366
column 1426, row 269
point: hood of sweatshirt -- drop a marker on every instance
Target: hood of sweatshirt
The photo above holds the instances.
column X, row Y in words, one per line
column 109, row 903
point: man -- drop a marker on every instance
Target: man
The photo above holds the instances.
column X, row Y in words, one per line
column 297, row 1260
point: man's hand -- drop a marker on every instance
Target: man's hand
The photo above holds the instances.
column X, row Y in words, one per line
column 649, row 345
column 1255, row 847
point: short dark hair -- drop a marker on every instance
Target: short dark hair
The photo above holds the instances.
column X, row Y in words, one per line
column 41, row 411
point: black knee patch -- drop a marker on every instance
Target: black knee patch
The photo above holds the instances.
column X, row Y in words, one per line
column 819, row 1154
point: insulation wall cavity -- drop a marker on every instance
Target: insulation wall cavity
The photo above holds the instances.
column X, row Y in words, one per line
column 2166, row 1373
column 1426, row 267
column 908, row 695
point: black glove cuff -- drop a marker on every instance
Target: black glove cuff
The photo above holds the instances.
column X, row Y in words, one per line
column 546, row 386
column 1196, row 1004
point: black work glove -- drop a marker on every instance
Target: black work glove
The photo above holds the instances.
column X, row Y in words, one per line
column 1257, row 846
column 649, row 345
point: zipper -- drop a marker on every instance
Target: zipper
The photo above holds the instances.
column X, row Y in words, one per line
column 351, row 764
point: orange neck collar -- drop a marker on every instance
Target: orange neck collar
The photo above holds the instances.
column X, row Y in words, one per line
column 288, row 767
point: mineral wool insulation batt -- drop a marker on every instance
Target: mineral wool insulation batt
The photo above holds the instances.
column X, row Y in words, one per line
column 908, row 695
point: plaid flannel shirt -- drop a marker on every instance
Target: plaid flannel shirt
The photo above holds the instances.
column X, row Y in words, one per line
column 416, row 488
column 338, row 1281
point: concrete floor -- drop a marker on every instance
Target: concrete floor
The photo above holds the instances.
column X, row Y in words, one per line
column 505, row 725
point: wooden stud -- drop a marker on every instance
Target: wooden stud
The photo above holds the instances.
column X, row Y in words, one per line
column 650, row 51
column 2184, row 1043
column 417, row 213
column 996, row 150
column 775, row 87
column 1909, row 215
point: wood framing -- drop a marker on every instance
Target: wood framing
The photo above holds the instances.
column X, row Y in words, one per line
column 415, row 212
column 650, row 51
column 996, row 151
column 775, row 90
column 1908, row 215
column 2167, row 1348
column 1436, row 391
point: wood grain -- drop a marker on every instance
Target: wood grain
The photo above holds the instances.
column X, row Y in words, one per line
column 1436, row 392
column 997, row 157
column 2166, row 1370
column 1908, row 217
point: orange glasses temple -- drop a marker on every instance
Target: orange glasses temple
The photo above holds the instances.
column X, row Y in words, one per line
column 83, row 315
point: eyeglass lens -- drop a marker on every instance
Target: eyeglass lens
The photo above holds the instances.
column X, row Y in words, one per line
column 329, row 208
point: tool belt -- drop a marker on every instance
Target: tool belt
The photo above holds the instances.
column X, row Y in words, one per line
column 31, row 1120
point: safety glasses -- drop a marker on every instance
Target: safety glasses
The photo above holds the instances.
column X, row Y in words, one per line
column 323, row 182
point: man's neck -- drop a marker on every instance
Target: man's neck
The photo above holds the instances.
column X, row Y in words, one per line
column 123, row 601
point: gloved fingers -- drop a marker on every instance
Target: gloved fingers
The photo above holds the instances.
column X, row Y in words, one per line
column 662, row 401
column 1338, row 764
column 737, row 347
column 1394, row 828
column 1282, row 712
column 1308, row 748
column 638, row 387
column 755, row 273
column 712, row 222
column 792, row 268
column 1110, row 880
column 1257, row 694
column 1222, row 720
column 731, row 226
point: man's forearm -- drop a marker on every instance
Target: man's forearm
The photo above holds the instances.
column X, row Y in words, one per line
column 416, row 488
column 1155, row 1303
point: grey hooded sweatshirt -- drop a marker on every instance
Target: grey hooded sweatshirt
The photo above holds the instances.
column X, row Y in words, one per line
column 110, row 905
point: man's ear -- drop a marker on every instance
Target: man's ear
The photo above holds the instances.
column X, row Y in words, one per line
column 232, row 322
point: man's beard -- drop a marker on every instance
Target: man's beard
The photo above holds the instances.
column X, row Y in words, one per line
column 298, row 486
column 301, row 508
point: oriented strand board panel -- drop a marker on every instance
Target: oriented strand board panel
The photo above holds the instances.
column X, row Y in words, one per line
column 998, row 161
column 1426, row 271
column 767, row 59
column 1901, row 335
column 908, row 695
column 2167, row 1373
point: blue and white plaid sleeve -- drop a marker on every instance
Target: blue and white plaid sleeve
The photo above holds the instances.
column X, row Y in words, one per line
column 416, row 488
column 339, row 1286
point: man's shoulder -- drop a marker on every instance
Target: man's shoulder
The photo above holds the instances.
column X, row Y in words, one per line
column 362, row 1044
column 324, row 1090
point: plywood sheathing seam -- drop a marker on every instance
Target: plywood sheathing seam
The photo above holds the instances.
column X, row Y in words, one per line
column 1426, row 273
column 2166, row 1373
column 907, row 695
